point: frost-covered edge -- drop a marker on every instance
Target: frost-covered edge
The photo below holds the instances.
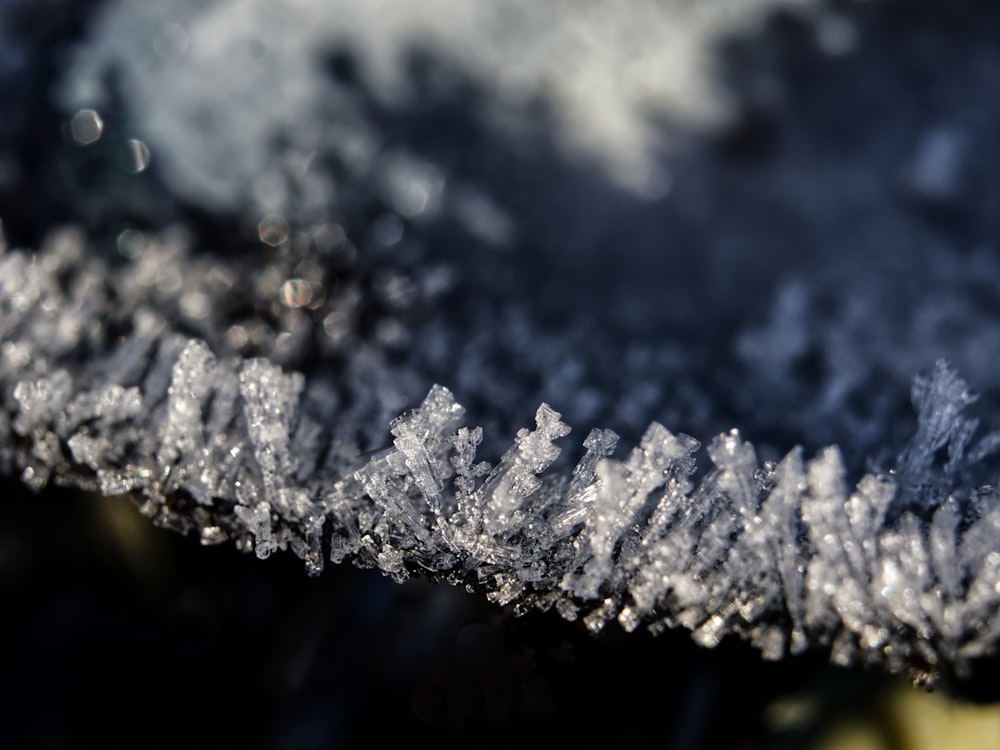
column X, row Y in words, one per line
column 902, row 571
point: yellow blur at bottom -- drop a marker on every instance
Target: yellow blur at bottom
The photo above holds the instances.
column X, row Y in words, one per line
column 921, row 721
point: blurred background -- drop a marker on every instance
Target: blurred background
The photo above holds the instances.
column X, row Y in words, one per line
column 767, row 214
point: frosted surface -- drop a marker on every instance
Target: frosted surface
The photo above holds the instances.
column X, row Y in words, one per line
column 770, row 215
column 897, row 568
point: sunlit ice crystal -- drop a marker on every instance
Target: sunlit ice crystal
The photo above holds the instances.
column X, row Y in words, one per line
column 582, row 489
column 270, row 407
column 422, row 436
column 191, row 383
column 515, row 477
column 623, row 490
column 899, row 568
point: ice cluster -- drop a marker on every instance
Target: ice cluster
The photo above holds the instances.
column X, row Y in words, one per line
column 103, row 390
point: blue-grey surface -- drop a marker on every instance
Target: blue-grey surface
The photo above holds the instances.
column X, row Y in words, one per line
column 275, row 258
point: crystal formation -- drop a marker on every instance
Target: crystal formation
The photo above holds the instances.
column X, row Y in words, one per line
column 245, row 328
column 899, row 569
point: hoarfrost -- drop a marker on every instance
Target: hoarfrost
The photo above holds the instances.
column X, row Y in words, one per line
column 900, row 570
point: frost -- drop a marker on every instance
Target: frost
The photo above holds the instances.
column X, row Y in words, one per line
column 514, row 479
column 622, row 491
column 418, row 437
column 213, row 159
column 899, row 569
column 182, row 443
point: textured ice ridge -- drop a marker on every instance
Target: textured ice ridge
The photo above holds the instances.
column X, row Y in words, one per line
column 901, row 570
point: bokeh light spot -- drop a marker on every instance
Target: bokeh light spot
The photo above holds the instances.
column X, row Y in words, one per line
column 273, row 230
column 131, row 243
column 296, row 293
column 86, row 127
column 137, row 156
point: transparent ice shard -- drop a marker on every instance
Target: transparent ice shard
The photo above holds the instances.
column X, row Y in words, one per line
column 420, row 436
column 582, row 489
column 939, row 399
column 623, row 490
column 464, row 442
column 183, row 454
column 515, row 476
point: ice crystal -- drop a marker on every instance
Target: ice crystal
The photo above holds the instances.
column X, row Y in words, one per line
column 899, row 569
